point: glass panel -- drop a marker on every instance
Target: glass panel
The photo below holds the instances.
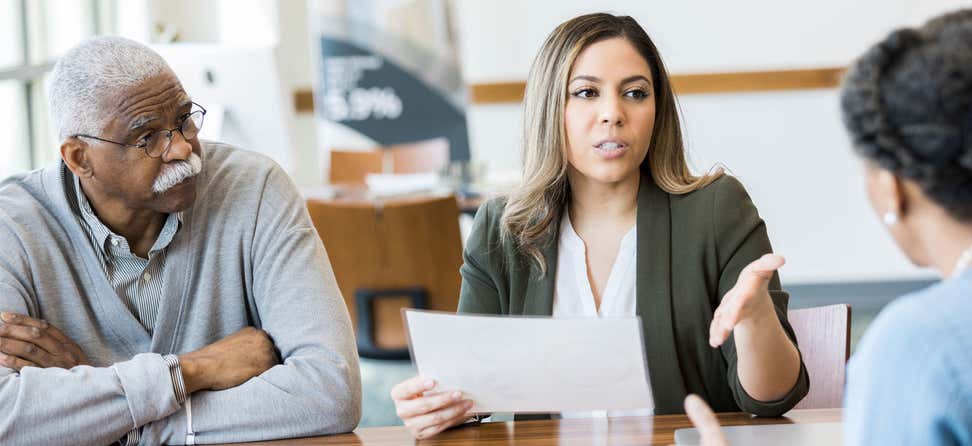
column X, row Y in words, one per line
column 46, row 147
column 14, row 151
column 68, row 22
column 11, row 37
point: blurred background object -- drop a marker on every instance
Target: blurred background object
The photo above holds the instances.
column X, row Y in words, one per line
column 388, row 74
column 216, row 74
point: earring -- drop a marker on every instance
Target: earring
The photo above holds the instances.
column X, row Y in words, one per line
column 890, row 218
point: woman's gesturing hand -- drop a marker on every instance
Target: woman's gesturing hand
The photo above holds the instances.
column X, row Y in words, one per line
column 748, row 301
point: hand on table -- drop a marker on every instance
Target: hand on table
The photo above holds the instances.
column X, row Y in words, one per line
column 427, row 413
column 30, row 342
column 705, row 421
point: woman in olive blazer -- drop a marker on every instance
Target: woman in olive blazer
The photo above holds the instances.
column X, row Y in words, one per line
column 605, row 175
column 690, row 250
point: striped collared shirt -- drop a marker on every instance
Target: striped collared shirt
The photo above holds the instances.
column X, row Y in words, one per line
column 137, row 281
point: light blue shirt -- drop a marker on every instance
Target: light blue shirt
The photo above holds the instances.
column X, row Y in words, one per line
column 910, row 382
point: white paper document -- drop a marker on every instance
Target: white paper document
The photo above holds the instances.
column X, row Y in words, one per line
column 532, row 364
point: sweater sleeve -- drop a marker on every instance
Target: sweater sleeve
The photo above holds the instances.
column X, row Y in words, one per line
column 317, row 389
column 41, row 405
column 741, row 238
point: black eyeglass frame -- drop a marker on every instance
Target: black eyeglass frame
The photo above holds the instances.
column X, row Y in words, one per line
column 168, row 134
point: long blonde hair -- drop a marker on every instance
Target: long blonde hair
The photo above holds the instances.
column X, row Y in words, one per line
column 543, row 193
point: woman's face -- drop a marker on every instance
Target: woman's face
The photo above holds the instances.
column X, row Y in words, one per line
column 610, row 111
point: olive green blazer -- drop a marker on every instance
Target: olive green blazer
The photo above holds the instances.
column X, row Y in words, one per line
column 690, row 250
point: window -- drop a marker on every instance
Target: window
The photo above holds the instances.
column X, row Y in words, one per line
column 11, row 53
column 33, row 34
column 14, row 156
column 12, row 111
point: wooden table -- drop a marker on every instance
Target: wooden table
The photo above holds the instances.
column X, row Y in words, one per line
column 658, row 430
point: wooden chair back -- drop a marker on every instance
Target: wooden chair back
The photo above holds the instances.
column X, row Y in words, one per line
column 823, row 334
column 395, row 245
column 431, row 155
column 351, row 166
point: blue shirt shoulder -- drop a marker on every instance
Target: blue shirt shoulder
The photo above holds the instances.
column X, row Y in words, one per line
column 910, row 381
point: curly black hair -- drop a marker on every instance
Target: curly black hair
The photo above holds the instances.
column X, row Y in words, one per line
column 907, row 103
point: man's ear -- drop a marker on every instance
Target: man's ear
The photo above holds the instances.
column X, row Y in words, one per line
column 74, row 152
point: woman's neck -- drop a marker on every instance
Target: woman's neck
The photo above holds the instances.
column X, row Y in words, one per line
column 592, row 200
column 944, row 240
column 948, row 262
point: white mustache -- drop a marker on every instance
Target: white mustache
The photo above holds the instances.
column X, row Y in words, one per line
column 177, row 172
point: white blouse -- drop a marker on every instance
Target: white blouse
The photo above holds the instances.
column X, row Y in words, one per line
column 573, row 297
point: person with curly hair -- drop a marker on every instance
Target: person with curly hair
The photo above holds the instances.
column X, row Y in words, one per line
column 907, row 104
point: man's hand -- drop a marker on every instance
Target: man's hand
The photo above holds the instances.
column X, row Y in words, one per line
column 29, row 342
column 229, row 362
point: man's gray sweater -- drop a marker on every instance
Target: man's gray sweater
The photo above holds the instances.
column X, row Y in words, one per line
column 246, row 255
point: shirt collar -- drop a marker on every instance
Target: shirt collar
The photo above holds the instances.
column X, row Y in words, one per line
column 103, row 234
column 571, row 241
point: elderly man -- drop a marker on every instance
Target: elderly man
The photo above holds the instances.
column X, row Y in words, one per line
column 158, row 289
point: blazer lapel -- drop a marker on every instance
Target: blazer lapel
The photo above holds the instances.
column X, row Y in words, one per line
column 538, row 299
column 654, row 297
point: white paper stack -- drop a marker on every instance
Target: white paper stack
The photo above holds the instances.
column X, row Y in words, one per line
column 389, row 185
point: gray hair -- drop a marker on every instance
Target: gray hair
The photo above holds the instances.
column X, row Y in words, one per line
column 907, row 103
column 86, row 81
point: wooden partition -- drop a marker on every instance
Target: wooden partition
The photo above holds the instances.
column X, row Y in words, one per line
column 689, row 83
column 387, row 247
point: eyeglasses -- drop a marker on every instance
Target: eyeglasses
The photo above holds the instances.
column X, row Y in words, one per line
column 156, row 143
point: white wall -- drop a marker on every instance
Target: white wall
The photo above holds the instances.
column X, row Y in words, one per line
column 243, row 23
column 788, row 148
column 284, row 23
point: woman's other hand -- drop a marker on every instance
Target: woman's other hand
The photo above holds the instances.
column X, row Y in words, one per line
column 427, row 412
